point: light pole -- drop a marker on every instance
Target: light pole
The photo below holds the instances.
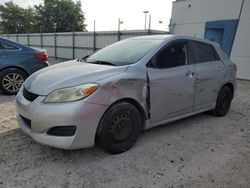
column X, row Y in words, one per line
column 149, row 23
column 94, row 38
column 145, row 12
column 119, row 24
column 119, row 28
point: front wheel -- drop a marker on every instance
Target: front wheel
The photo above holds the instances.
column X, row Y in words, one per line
column 119, row 128
column 11, row 80
column 223, row 101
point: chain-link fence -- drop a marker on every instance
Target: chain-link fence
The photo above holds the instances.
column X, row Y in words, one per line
column 73, row 45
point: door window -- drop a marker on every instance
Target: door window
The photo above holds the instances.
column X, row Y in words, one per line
column 1, row 46
column 5, row 46
column 204, row 53
column 172, row 56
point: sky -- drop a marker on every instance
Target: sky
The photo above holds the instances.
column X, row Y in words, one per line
column 107, row 12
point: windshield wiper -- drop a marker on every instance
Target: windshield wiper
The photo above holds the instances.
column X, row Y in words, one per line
column 102, row 63
column 84, row 58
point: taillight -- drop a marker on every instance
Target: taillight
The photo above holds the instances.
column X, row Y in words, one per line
column 42, row 56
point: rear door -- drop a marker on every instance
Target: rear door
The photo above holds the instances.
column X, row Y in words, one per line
column 171, row 81
column 210, row 76
column 3, row 54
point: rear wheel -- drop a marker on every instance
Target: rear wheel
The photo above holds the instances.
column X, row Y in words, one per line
column 223, row 101
column 11, row 80
column 119, row 128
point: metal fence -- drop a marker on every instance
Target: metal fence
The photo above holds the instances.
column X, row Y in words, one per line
column 73, row 45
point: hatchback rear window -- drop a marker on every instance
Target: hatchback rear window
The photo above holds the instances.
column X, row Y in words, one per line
column 204, row 53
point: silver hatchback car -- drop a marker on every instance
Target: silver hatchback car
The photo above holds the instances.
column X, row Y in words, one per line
column 112, row 95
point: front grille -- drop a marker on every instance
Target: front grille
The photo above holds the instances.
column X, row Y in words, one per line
column 26, row 121
column 62, row 131
column 28, row 95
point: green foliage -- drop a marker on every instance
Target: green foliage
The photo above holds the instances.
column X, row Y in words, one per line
column 15, row 19
column 51, row 16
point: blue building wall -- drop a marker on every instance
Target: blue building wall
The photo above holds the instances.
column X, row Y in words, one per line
column 222, row 32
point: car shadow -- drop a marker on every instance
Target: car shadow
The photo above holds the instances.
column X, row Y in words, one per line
column 6, row 98
column 173, row 146
column 20, row 150
column 17, row 141
column 15, row 144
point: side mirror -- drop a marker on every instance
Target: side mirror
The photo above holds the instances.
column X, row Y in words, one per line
column 152, row 63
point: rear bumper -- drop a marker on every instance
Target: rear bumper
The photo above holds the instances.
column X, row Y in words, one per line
column 37, row 66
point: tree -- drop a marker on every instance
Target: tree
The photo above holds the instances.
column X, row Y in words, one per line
column 60, row 16
column 51, row 16
column 15, row 19
column 11, row 17
column 29, row 20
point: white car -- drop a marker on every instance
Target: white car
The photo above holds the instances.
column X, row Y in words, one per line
column 127, row 87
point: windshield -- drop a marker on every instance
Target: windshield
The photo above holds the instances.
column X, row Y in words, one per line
column 124, row 52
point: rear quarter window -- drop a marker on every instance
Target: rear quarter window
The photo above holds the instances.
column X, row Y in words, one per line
column 7, row 46
column 1, row 46
column 204, row 53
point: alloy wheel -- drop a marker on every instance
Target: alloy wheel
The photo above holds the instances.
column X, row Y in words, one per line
column 12, row 82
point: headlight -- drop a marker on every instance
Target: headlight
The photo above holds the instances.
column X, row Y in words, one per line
column 71, row 93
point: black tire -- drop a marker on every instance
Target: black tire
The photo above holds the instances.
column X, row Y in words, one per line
column 223, row 101
column 119, row 128
column 11, row 80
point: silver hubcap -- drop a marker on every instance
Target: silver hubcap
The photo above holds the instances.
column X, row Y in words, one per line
column 12, row 82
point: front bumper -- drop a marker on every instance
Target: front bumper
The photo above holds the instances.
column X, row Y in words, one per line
column 85, row 116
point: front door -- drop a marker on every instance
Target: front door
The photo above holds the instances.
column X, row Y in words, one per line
column 171, row 82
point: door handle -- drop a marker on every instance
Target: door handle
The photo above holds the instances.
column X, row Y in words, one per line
column 190, row 74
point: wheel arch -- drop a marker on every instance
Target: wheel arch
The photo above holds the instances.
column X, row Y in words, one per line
column 15, row 67
column 230, row 85
column 130, row 101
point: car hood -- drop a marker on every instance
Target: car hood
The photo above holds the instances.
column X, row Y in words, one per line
column 67, row 74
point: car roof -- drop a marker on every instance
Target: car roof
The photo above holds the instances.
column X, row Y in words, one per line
column 8, row 41
column 151, row 37
column 18, row 45
column 13, row 43
column 165, row 37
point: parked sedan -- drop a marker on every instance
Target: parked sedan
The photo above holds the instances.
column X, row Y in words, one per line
column 17, row 62
column 127, row 87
